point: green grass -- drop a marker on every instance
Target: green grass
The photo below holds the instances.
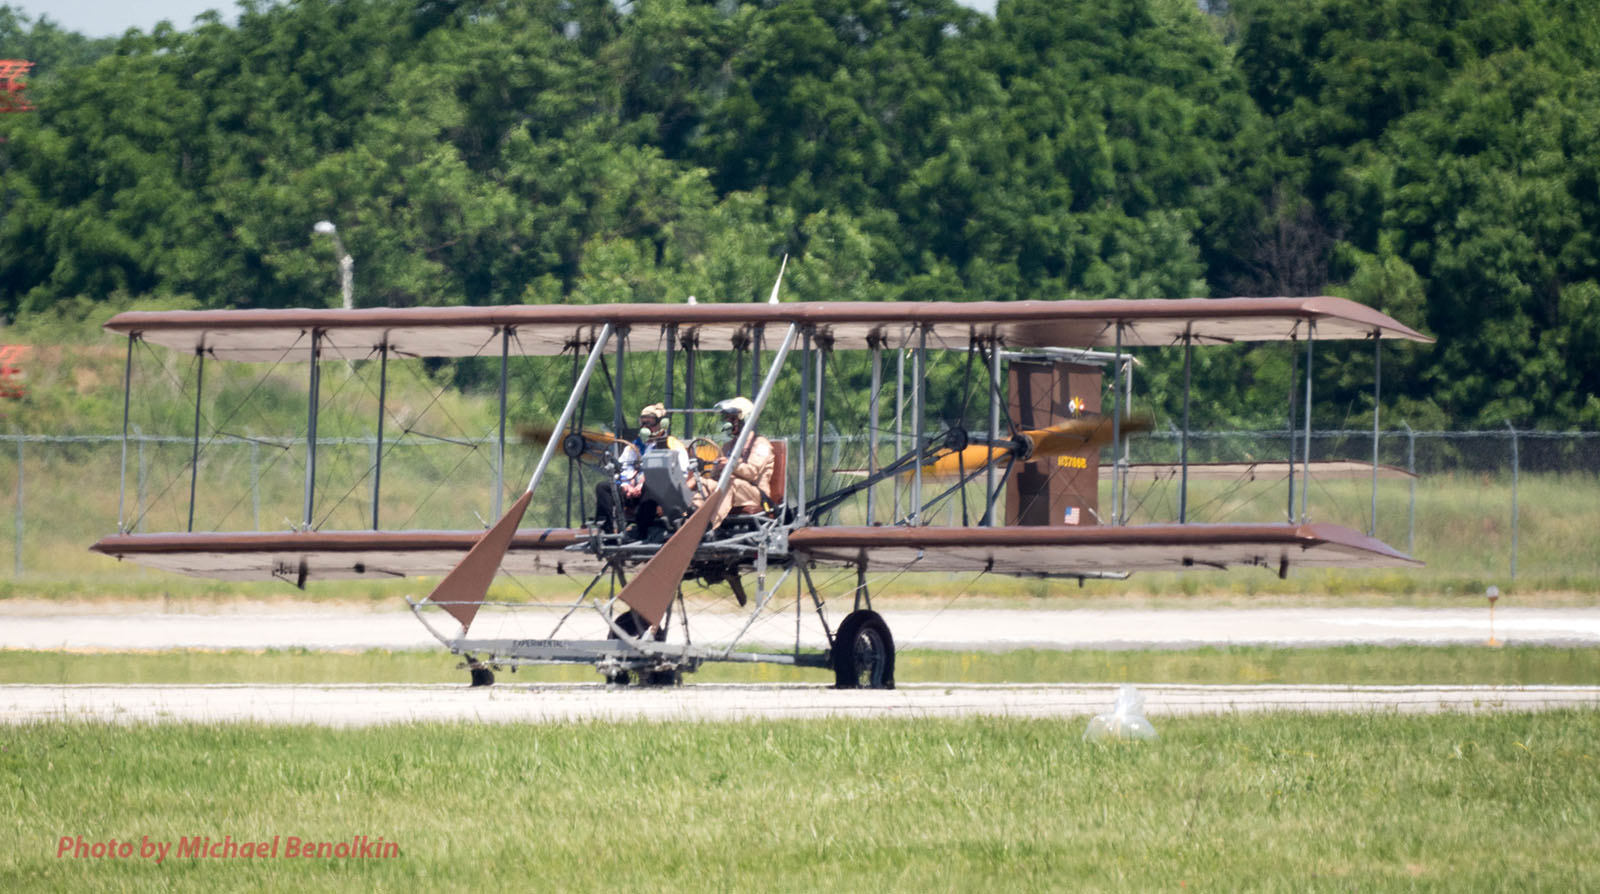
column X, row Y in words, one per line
column 1263, row 802
column 1397, row 665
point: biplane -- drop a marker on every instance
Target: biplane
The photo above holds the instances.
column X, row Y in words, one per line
column 1027, row 478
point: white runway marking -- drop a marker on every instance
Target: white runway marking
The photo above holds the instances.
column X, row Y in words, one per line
column 368, row 705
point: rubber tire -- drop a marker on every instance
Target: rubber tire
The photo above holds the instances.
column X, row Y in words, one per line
column 862, row 628
column 663, row 678
column 481, row 676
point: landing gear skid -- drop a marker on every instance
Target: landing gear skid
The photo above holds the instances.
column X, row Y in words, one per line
column 863, row 652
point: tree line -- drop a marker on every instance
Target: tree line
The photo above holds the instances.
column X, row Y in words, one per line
column 1435, row 159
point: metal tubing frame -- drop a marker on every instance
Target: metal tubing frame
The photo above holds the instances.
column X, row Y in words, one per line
column 312, row 407
column 572, row 467
column 819, row 381
column 690, row 353
column 919, row 371
column 805, row 418
column 616, row 390
column 990, row 473
column 1127, row 447
column 899, row 416
column 1305, row 477
column 377, row 456
column 872, row 428
column 127, row 400
column 1183, row 451
column 1116, row 429
column 194, row 459
column 500, row 445
column 672, row 358
column 1294, row 376
column 756, row 334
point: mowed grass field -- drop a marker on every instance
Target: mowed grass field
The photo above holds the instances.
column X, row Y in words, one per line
column 1352, row 665
column 1265, row 802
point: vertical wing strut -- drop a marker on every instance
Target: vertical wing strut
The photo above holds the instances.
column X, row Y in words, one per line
column 461, row 591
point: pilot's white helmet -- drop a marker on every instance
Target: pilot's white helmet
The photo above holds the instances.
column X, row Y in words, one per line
column 736, row 406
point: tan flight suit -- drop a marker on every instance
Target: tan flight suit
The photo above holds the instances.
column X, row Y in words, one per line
column 752, row 478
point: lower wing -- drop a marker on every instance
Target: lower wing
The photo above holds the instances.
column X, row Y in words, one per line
column 1061, row 550
column 1065, row 550
column 299, row 557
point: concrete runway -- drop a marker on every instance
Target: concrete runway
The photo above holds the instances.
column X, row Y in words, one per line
column 367, row 705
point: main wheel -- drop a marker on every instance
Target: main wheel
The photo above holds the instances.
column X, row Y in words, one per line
column 481, row 676
column 663, row 678
column 863, row 653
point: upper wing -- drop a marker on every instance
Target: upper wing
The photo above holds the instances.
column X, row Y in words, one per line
column 316, row 555
column 1068, row 550
column 274, row 335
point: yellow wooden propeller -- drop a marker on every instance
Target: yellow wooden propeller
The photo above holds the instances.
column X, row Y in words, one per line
column 1070, row 436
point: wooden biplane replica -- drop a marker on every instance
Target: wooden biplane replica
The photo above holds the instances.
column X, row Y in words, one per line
column 1034, row 465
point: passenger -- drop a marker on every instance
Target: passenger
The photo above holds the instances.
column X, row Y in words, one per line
column 623, row 496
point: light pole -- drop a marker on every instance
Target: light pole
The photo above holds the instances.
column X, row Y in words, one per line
column 347, row 264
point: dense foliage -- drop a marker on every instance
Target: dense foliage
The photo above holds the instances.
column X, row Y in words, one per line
column 1435, row 159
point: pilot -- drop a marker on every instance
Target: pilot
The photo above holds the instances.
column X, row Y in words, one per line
column 750, row 488
column 628, row 485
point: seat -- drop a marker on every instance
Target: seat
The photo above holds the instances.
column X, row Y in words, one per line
column 780, row 473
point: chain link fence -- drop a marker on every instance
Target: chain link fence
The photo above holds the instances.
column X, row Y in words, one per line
column 1492, row 504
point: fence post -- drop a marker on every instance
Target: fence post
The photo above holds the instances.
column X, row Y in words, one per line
column 1515, row 475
